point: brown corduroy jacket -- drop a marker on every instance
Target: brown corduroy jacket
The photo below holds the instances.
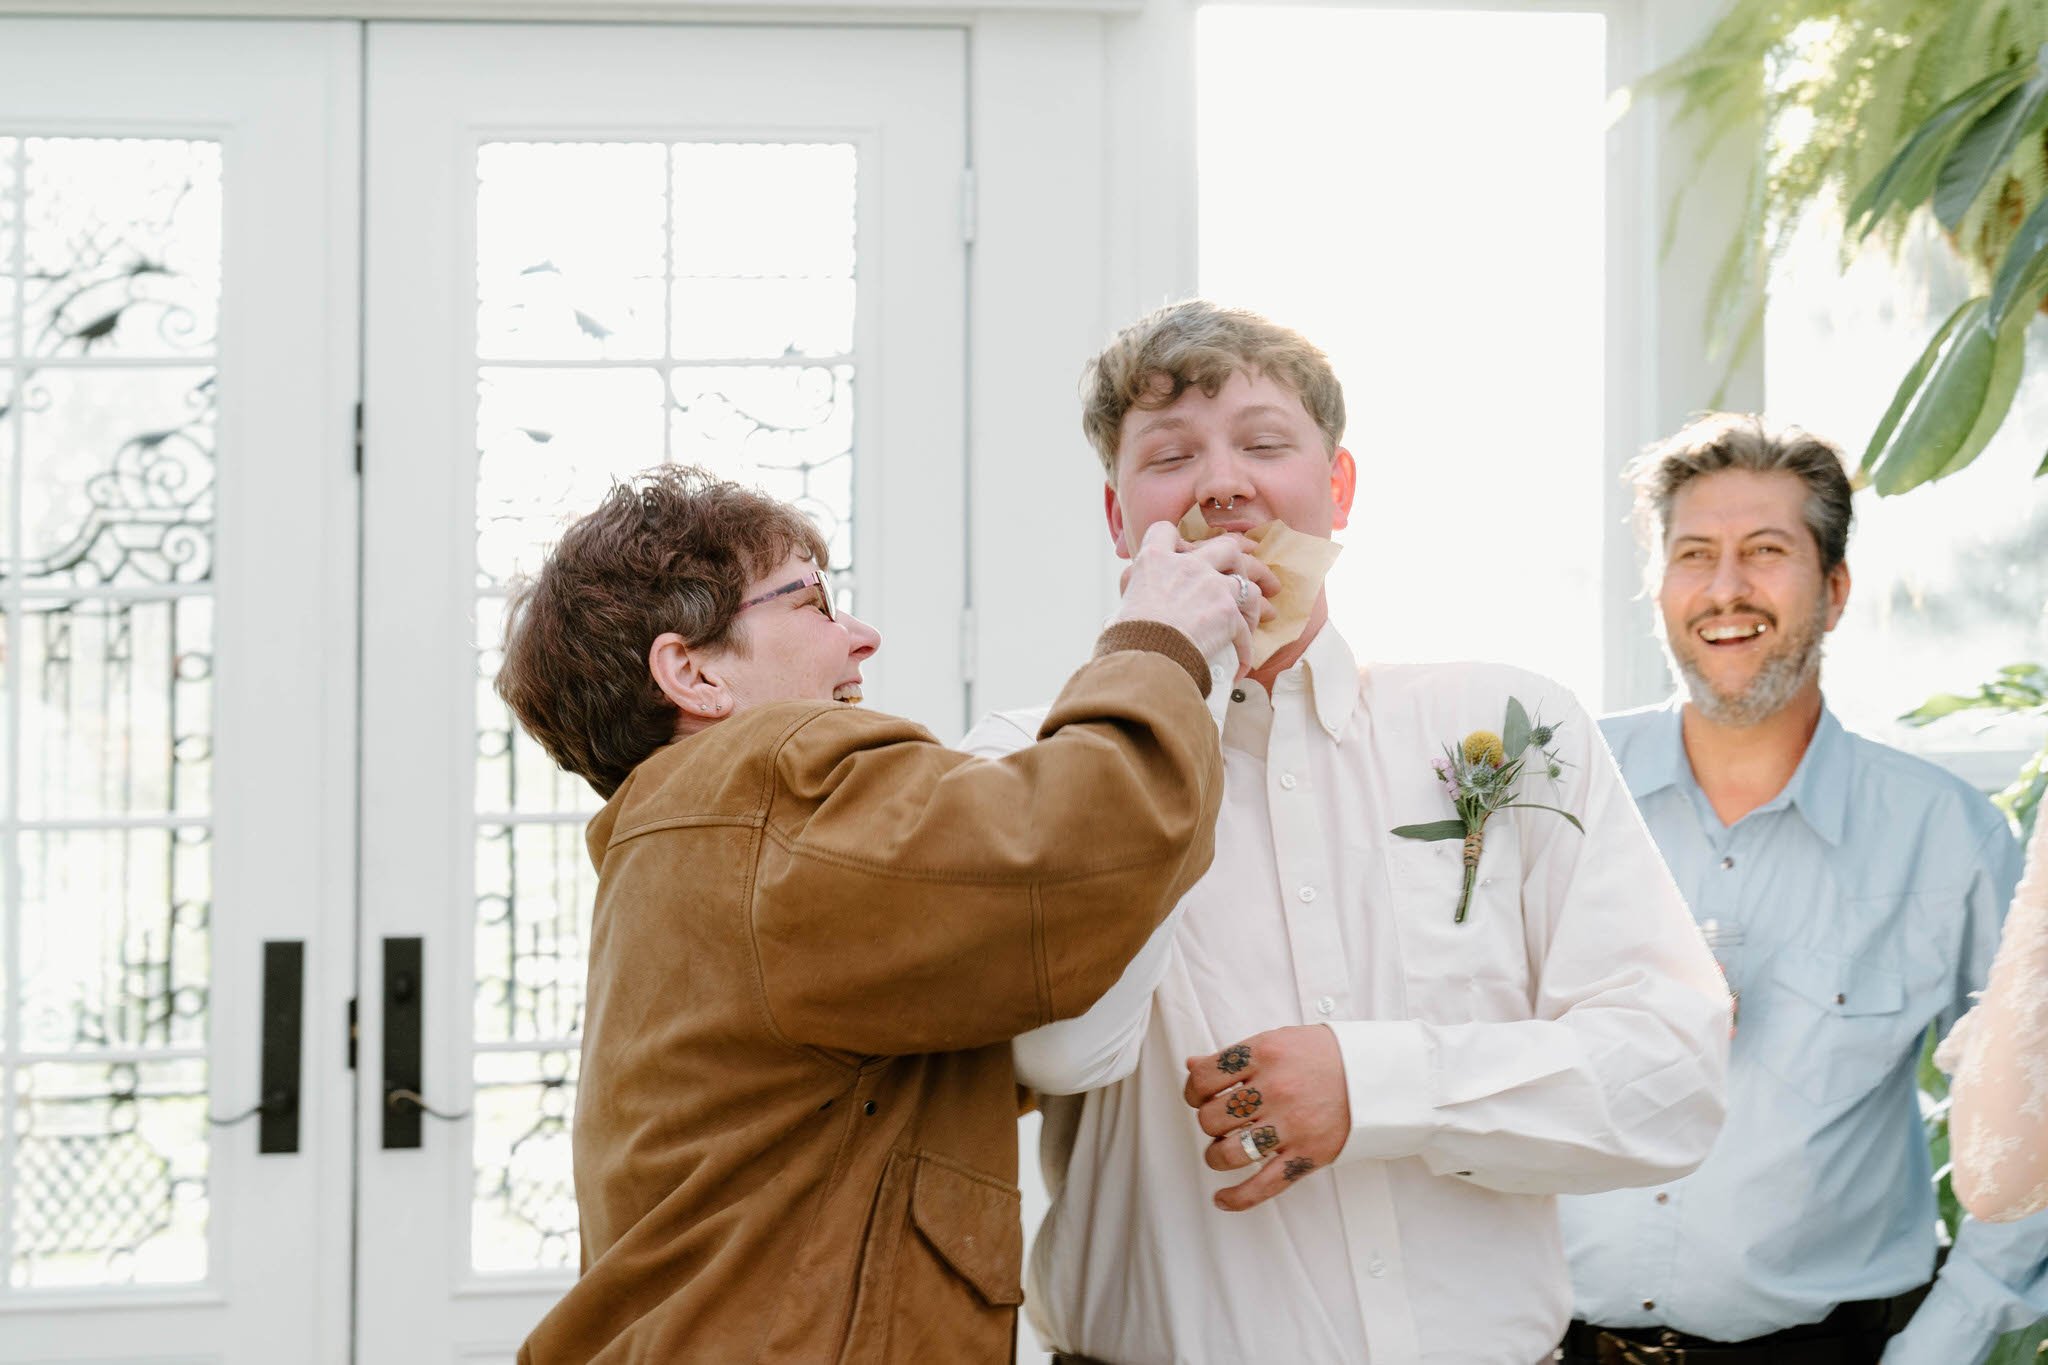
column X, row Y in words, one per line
column 816, row 931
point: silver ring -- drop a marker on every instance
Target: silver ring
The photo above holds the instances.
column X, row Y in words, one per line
column 1244, row 588
column 1251, row 1147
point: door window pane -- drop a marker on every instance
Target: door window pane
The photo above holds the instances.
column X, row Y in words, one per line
column 109, row 299
column 1422, row 195
column 637, row 303
column 122, row 247
column 110, row 1173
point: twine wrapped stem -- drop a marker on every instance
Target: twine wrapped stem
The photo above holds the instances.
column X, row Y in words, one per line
column 1474, row 843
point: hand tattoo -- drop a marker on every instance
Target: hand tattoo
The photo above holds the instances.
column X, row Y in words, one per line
column 1297, row 1167
column 1244, row 1102
column 1234, row 1059
column 1266, row 1138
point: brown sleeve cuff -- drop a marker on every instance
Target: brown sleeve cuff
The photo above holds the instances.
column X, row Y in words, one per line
column 1158, row 638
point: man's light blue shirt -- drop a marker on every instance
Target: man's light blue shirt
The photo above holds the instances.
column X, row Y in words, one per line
column 1851, row 912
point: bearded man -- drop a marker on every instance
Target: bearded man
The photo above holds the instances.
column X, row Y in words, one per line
column 1852, row 894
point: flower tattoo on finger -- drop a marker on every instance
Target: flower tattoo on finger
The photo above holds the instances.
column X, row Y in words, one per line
column 1244, row 1102
column 1266, row 1139
column 1234, row 1059
column 1297, row 1167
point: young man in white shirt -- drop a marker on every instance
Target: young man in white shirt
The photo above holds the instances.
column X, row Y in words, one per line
column 1321, row 1118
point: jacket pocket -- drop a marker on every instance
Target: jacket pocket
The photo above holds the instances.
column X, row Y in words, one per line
column 941, row 1273
column 1835, row 1023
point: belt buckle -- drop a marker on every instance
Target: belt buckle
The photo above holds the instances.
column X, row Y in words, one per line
column 1614, row 1350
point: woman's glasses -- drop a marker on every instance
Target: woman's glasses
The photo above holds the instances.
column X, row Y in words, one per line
column 814, row 579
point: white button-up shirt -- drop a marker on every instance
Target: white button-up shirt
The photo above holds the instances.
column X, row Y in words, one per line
column 1570, row 1036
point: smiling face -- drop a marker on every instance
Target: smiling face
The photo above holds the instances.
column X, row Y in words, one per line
column 795, row 650
column 1742, row 600
column 785, row 646
column 1252, row 444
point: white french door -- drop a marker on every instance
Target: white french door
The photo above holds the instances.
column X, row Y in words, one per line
column 177, row 338
column 591, row 250
column 247, row 720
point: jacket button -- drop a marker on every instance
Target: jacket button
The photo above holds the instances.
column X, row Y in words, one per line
column 868, row 1108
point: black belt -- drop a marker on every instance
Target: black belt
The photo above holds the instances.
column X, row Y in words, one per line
column 1844, row 1337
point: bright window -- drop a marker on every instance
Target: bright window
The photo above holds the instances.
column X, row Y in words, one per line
column 1950, row 579
column 1422, row 194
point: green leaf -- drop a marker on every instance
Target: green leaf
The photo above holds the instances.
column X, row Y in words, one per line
column 2021, row 1347
column 2008, row 360
column 2016, row 689
column 1435, row 829
column 2033, row 676
column 2023, row 269
column 2043, row 469
column 1907, row 388
column 1987, row 148
column 2021, row 801
column 1514, row 731
column 1537, row 805
column 1910, row 176
column 1944, row 704
column 1944, row 410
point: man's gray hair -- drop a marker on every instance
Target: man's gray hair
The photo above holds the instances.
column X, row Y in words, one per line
column 1737, row 440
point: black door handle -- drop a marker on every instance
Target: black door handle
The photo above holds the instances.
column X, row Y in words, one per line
column 404, row 1015
column 404, row 1026
column 284, row 988
column 284, row 978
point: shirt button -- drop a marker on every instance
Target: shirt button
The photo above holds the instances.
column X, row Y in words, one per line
column 1841, row 999
column 1727, row 863
column 1287, row 781
column 1308, row 893
column 1663, row 1198
column 1237, row 694
column 1326, row 1006
column 1648, row 1304
column 868, row 1108
column 1377, row 1268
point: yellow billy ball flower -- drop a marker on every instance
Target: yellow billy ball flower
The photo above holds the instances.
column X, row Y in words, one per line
column 1484, row 746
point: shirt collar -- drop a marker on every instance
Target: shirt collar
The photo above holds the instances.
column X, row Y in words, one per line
column 1332, row 679
column 1662, row 763
column 1819, row 787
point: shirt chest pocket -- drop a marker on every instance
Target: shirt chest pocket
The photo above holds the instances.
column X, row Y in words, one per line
column 1836, row 1024
column 1477, row 971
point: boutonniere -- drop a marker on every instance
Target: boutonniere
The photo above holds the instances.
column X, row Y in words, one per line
column 1479, row 776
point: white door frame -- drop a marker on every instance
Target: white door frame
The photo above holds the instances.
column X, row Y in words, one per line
column 284, row 701
column 434, row 94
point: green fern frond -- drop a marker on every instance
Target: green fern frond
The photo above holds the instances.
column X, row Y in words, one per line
column 1836, row 87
